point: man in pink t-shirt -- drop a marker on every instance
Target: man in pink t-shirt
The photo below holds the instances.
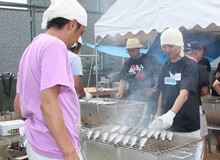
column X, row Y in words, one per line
column 46, row 95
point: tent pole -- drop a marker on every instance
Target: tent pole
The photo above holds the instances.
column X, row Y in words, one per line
column 96, row 62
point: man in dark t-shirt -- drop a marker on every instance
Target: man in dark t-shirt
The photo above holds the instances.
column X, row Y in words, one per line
column 140, row 71
column 178, row 103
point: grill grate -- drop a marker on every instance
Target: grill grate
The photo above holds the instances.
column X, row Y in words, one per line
column 152, row 146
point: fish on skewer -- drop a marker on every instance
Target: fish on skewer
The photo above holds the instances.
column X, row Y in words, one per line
column 150, row 133
column 156, row 134
column 96, row 134
column 89, row 134
column 112, row 136
column 123, row 129
column 118, row 138
column 133, row 141
column 143, row 132
column 142, row 142
column 115, row 128
column 126, row 140
column 104, row 136
column 169, row 135
column 137, row 131
column 163, row 135
column 132, row 131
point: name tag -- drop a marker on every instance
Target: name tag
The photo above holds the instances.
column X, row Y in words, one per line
column 178, row 76
column 170, row 80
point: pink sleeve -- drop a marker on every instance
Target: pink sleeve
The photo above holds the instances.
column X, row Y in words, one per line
column 54, row 67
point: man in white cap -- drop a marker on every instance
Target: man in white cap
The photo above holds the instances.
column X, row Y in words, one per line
column 141, row 72
column 178, row 86
column 46, row 95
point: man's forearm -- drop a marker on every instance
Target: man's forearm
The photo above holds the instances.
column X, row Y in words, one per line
column 216, row 86
column 180, row 100
column 54, row 120
column 17, row 106
column 79, row 86
column 122, row 86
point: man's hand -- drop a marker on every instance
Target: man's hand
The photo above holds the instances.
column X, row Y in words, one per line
column 151, row 91
column 163, row 122
column 87, row 97
column 119, row 94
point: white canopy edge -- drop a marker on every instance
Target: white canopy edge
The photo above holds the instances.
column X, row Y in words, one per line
column 147, row 15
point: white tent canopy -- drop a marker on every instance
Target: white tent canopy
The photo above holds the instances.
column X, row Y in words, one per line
column 146, row 15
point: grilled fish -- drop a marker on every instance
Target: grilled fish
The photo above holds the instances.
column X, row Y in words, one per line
column 150, row 133
column 156, row 134
column 169, row 136
column 96, row 134
column 104, row 136
column 112, row 136
column 118, row 138
column 143, row 132
column 163, row 135
column 115, row 128
column 142, row 142
column 133, row 141
column 89, row 134
column 126, row 139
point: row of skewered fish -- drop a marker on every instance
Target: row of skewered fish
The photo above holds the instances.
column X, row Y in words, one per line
column 127, row 136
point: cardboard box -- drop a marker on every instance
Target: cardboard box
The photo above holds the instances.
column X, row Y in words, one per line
column 5, row 118
column 10, row 127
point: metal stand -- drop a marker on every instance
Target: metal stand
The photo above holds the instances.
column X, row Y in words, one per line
column 210, row 129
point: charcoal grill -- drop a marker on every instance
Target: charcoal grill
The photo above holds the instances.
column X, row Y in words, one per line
column 114, row 111
column 180, row 147
column 212, row 110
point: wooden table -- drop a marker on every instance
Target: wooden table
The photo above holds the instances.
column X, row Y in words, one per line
column 101, row 91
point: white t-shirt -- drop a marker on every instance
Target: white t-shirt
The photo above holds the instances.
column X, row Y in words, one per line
column 75, row 63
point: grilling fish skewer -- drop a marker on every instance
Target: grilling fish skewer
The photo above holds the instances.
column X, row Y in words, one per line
column 143, row 132
column 142, row 142
column 156, row 134
column 96, row 135
column 126, row 139
column 112, row 136
column 123, row 129
column 115, row 128
column 133, row 141
column 169, row 136
column 150, row 133
column 104, row 136
column 163, row 135
column 89, row 134
column 118, row 138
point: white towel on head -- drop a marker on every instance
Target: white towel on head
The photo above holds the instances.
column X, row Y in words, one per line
column 69, row 9
column 172, row 36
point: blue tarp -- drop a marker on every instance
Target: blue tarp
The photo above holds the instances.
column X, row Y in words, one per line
column 121, row 52
column 211, row 42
